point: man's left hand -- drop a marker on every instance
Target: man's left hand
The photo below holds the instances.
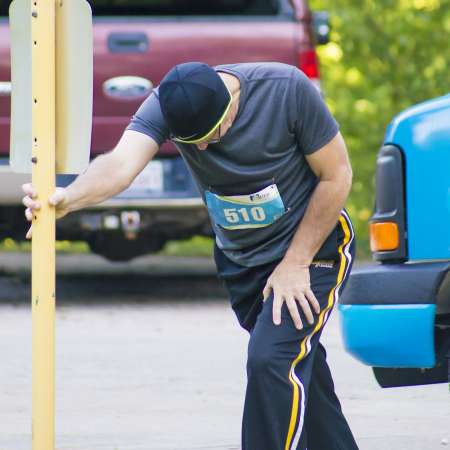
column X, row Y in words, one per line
column 290, row 284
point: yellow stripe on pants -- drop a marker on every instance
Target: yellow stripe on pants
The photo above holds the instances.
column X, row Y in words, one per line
column 303, row 351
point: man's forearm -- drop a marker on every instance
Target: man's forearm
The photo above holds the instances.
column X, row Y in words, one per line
column 320, row 218
column 103, row 179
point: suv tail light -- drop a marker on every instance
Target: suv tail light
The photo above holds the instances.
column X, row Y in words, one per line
column 388, row 224
column 308, row 63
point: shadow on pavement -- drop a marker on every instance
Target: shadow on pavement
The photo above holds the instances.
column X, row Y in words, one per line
column 89, row 278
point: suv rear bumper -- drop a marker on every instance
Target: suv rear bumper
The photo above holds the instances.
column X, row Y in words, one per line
column 389, row 313
column 163, row 200
column 194, row 203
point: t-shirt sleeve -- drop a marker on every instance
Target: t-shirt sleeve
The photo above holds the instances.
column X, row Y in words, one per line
column 149, row 120
column 313, row 123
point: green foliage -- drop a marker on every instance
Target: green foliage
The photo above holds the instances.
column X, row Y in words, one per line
column 385, row 56
column 196, row 246
column 9, row 245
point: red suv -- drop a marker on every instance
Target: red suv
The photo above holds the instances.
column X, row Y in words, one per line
column 135, row 44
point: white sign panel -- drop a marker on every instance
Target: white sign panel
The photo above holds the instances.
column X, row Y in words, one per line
column 21, row 135
column 74, row 85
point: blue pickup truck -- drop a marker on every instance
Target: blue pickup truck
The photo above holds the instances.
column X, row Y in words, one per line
column 395, row 315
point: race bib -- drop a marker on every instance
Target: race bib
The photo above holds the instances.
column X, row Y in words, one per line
column 236, row 212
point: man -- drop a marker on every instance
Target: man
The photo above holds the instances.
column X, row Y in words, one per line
column 274, row 173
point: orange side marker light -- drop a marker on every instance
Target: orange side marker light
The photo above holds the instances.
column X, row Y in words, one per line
column 384, row 236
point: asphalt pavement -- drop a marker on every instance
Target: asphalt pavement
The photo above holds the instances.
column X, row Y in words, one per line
column 149, row 356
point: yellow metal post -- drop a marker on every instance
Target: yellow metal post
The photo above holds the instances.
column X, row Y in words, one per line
column 43, row 243
column 52, row 78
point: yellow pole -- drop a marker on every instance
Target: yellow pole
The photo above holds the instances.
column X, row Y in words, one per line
column 43, row 243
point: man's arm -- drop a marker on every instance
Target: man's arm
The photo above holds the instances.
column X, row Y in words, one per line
column 332, row 166
column 290, row 280
column 111, row 173
column 106, row 176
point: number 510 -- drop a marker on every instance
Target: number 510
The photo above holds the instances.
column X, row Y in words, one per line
column 234, row 215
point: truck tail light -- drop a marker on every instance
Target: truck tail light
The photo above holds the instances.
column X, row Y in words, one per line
column 308, row 63
column 388, row 235
column 384, row 236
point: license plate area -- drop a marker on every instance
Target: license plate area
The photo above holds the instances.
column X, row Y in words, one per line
column 149, row 181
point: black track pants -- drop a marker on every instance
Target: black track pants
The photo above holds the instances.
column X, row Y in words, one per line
column 290, row 401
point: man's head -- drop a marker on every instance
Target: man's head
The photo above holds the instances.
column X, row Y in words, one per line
column 195, row 103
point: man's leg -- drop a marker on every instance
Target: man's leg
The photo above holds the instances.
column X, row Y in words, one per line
column 280, row 361
column 325, row 424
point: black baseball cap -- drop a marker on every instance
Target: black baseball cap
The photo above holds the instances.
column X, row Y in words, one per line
column 194, row 101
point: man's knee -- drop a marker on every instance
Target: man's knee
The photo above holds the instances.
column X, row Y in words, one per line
column 263, row 359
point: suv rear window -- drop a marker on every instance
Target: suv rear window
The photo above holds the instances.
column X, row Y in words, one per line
column 176, row 7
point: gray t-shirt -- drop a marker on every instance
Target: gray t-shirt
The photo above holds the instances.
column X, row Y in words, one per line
column 281, row 118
